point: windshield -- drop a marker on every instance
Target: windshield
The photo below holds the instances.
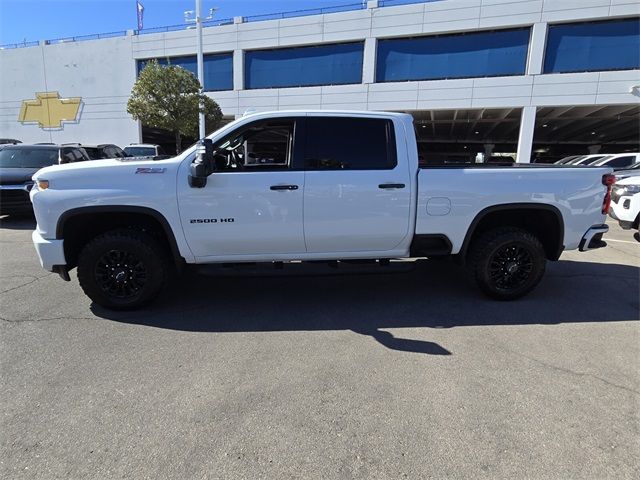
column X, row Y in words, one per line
column 140, row 151
column 28, row 157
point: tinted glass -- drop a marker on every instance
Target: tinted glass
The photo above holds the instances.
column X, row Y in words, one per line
column 304, row 66
column 484, row 54
column 597, row 46
column 591, row 161
column 79, row 155
column 117, row 152
column 68, row 155
column 218, row 69
column 94, row 153
column 140, row 151
column 336, row 143
column 620, row 162
column 28, row 157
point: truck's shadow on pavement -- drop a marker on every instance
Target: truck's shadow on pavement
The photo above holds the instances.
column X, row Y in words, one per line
column 433, row 294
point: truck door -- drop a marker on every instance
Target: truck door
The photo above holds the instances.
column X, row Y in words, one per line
column 252, row 203
column 357, row 192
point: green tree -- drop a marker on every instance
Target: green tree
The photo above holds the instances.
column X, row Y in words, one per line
column 169, row 97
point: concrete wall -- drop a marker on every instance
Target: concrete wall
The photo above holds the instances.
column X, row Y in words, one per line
column 103, row 71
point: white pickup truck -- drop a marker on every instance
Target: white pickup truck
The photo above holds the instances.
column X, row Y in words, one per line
column 295, row 186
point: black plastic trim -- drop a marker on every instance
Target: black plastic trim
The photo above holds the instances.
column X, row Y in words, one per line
column 63, row 271
column 173, row 245
column 430, row 245
column 514, row 206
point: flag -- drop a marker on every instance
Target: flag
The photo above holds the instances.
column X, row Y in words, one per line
column 140, row 12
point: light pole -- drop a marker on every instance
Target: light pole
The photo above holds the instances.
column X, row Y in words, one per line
column 188, row 17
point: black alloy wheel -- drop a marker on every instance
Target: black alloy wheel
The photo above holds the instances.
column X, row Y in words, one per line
column 507, row 262
column 510, row 266
column 123, row 269
column 121, row 274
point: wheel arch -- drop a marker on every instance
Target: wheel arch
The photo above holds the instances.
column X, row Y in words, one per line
column 78, row 225
column 544, row 220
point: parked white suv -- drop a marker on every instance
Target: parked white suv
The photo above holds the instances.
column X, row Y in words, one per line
column 618, row 161
column 625, row 202
column 145, row 150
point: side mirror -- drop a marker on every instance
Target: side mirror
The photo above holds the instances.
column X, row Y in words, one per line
column 203, row 165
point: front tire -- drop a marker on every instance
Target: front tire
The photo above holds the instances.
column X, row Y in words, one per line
column 122, row 269
column 507, row 263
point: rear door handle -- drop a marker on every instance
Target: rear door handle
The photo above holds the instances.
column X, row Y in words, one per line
column 391, row 185
column 284, row 187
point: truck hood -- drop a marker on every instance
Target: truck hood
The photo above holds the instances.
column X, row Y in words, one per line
column 105, row 174
column 16, row 176
column 633, row 180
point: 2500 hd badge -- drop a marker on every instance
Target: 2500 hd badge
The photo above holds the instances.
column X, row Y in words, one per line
column 212, row 220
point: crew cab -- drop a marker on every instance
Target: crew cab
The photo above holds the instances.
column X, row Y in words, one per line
column 309, row 186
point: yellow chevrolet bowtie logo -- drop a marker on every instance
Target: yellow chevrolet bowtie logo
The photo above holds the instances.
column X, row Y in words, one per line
column 49, row 110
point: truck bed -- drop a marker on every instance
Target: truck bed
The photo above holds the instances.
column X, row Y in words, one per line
column 451, row 197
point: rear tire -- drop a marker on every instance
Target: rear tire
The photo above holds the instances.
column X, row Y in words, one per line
column 507, row 263
column 123, row 269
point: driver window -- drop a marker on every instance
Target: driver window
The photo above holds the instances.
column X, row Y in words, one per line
column 259, row 147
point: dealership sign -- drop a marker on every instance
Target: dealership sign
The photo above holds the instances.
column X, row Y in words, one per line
column 48, row 110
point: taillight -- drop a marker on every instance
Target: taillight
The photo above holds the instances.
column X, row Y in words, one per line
column 607, row 180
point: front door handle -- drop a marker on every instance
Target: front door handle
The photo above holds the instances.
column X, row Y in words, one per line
column 391, row 185
column 284, row 187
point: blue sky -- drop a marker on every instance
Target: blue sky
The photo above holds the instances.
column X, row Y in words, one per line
column 49, row 19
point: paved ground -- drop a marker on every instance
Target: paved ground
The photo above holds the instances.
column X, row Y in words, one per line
column 410, row 374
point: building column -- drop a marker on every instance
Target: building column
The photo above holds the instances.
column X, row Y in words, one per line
column 525, row 137
column 238, row 62
column 369, row 60
column 537, row 46
column 238, row 70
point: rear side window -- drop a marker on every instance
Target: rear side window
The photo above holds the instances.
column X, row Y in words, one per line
column 340, row 143
column 94, row 153
column 68, row 155
column 81, row 155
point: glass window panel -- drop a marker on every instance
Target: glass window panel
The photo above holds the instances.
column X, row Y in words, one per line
column 597, row 46
column 340, row 143
column 304, row 66
column 483, row 54
column 218, row 69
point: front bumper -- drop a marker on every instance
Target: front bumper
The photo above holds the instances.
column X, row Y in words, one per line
column 50, row 252
column 593, row 238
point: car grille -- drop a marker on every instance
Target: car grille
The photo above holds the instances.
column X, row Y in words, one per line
column 9, row 198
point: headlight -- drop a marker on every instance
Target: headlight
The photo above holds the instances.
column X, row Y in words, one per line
column 628, row 190
column 42, row 184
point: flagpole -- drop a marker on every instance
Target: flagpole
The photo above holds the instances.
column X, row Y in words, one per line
column 200, row 61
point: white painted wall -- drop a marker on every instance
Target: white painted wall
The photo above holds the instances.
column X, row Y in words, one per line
column 103, row 71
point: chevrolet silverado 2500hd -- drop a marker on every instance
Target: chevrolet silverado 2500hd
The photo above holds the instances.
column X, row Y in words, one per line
column 296, row 186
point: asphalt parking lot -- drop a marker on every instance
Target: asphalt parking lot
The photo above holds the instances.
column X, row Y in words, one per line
column 405, row 374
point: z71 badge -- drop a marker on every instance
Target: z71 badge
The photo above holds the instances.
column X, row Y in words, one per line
column 150, row 170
